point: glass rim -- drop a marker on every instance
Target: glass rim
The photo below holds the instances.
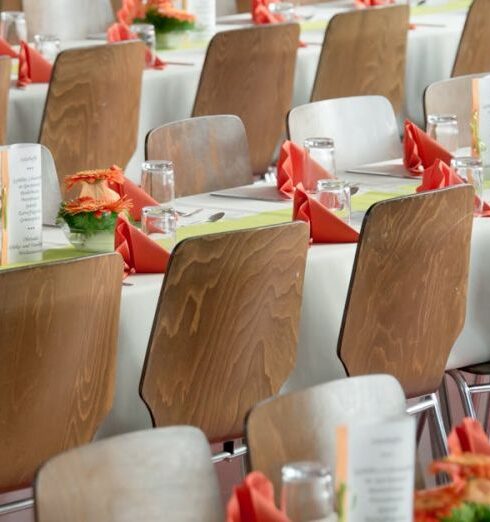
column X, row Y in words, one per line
column 325, row 184
column 144, row 26
column 158, row 165
column 304, row 470
column 466, row 162
column 319, row 143
column 13, row 14
column 46, row 37
column 158, row 211
column 279, row 6
column 442, row 118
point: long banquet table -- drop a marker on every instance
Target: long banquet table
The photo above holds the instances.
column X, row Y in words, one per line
column 168, row 95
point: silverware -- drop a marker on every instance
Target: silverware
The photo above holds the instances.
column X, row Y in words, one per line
column 188, row 214
column 211, row 219
column 127, row 284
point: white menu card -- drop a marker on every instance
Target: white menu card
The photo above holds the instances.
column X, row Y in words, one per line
column 481, row 119
column 375, row 470
column 21, row 208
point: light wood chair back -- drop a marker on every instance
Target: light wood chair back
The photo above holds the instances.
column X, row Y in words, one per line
column 116, row 5
column 472, row 56
column 57, row 359
column 10, row 5
column 364, row 52
column 364, row 128
column 91, row 114
column 209, row 153
column 301, row 426
column 5, row 68
column 406, row 303
column 453, row 96
column 154, row 475
column 249, row 72
column 243, row 6
column 226, row 327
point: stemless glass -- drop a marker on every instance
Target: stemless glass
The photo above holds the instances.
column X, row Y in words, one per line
column 322, row 152
column 284, row 9
column 307, row 491
column 48, row 45
column 157, row 179
column 471, row 171
column 146, row 33
column 13, row 27
column 160, row 224
column 335, row 195
column 444, row 129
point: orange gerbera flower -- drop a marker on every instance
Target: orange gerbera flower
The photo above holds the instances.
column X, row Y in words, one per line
column 114, row 174
column 433, row 504
column 130, row 10
column 98, row 208
column 464, row 466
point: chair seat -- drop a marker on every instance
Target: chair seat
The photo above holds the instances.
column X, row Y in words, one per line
column 478, row 369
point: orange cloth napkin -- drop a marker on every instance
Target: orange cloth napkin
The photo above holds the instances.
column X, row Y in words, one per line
column 468, row 437
column 33, row 67
column 325, row 227
column 253, row 501
column 141, row 254
column 372, row 3
column 292, row 167
column 136, row 194
column 420, row 150
column 6, row 49
column 261, row 13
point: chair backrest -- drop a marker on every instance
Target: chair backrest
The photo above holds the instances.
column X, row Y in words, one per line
column 364, row 128
column 301, row 426
column 364, row 53
column 249, row 72
column 154, row 475
column 472, row 56
column 226, row 327
column 209, row 153
column 91, row 114
column 407, row 296
column 10, row 5
column 453, row 96
column 57, row 359
column 5, row 68
column 243, row 6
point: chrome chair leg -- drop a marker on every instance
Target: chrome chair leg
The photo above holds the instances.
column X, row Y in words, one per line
column 464, row 393
column 445, row 408
column 439, row 424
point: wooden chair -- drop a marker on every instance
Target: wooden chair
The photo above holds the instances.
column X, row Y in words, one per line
column 209, row 153
column 154, row 475
column 407, row 297
column 91, row 114
column 250, row 72
column 472, row 56
column 453, row 96
column 300, row 426
column 10, row 5
column 5, row 68
column 57, row 359
column 226, row 327
column 363, row 53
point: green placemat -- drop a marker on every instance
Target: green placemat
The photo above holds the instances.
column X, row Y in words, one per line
column 453, row 5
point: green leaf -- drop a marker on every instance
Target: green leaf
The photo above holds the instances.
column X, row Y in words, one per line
column 469, row 512
column 164, row 24
column 87, row 222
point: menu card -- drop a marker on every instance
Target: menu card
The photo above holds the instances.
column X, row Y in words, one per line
column 480, row 124
column 375, row 470
column 21, row 203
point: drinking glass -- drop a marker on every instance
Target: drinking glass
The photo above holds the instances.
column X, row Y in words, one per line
column 322, row 152
column 48, row 45
column 146, row 33
column 335, row 195
column 160, row 224
column 444, row 129
column 157, row 179
column 471, row 171
column 13, row 27
column 307, row 491
column 284, row 9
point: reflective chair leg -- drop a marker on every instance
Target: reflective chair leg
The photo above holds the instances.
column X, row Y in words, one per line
column 465, row 392
column 445, row 407
column 229, row 452
column 18, row 505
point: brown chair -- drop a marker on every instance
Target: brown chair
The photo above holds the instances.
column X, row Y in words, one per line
column 154, row 475
column 226, row 327
column 57, row 359
column 472, row 56
column 209, row 153
column 407, row 296
column 453, row 96
column 5, row 67
column 116, row 5
column 363, row 53
column 250, row 72
column 91, row 114
column 10, row 5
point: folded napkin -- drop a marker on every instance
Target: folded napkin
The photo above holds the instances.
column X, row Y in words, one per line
column 136, row 194
column 420, row 150
column 325, row 227
column 261, row 13
column 468, row 437
column 253, row 501
column 33, row 67
column 294, row 165
column 6, row 49
column 372, row 3
column 140, row 253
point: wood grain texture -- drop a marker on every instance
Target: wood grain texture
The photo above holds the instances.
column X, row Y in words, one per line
column 91, row 115
column 472, row 56
column 407, row 297
column 154, row 475
column 250, row 72
column 453, row 96
column 209, row 153
column 11, row 5
column 5, row 68
column 226, row 327
column 364, row 52
column 57, row 359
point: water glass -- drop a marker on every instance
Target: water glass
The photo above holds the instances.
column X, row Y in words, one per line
column 146, row 33
column 48, row 45
column 307, row 491
column 335, row 195
column 157, row 179
column 160, row 224
column 444, row 129
column 283, row 9
column 13, row 27
column 322, row 152
column 471, row 171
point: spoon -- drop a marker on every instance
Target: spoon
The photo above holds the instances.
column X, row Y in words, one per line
column 211, row 219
